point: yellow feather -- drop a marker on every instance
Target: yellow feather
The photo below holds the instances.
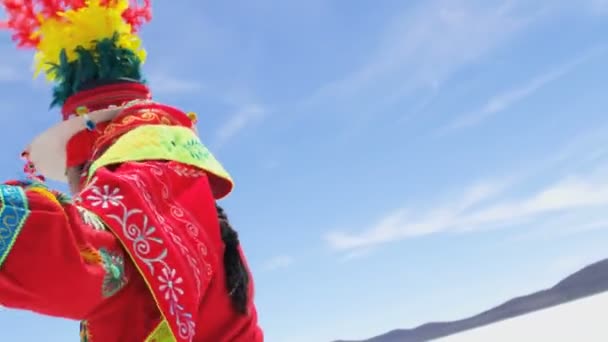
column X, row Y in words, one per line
column 81, row 27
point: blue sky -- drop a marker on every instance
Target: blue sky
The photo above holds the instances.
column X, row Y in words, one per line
column 395, row 163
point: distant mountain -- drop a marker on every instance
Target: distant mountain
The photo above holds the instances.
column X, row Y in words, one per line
column 589, row 281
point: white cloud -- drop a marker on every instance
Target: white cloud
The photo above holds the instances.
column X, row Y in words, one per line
column 503, row 101
column 356, row 254
column 245, row 116
column 162, row 83
column 566, row 224
column 279, row 262
column 586, row 227
column 425, row 46
column 399, row 224
column 469, row 213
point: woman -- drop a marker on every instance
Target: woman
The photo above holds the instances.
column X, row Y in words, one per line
column 142, row 252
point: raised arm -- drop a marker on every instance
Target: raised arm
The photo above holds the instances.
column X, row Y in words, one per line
column 55, row 257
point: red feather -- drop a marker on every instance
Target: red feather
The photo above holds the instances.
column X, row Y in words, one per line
column 137, row 15
column 23, row 19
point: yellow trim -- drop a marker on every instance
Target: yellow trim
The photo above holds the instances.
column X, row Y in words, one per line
column 46, row 193
column 162, row 333
column 161, row 142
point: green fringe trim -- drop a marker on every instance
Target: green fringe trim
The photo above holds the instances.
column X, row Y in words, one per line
column 105, row 63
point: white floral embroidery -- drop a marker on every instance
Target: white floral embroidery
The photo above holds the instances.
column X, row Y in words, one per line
column 108, row 196
column 177, row 213
column 170, row 282
column 142, row 236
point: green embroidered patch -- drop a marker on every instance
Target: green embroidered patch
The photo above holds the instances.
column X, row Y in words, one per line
column 14, row 211
column 196, row 149
column 114, row 265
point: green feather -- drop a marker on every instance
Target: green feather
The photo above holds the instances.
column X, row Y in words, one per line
column 106, row 62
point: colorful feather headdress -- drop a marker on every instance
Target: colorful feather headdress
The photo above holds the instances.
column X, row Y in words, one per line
column 91, row 52
column 78, row 42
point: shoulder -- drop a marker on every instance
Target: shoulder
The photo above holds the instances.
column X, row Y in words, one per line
column 151, row 179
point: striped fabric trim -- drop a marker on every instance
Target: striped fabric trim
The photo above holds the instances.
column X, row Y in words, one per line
column 14, row 212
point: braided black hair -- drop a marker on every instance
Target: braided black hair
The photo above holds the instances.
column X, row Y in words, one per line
column 237, row 275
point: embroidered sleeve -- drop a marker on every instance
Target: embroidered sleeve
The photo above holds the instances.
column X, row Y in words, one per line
column 55, row 257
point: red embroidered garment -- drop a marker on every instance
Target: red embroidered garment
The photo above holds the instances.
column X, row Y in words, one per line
column 138, row 255
column 163, row 214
